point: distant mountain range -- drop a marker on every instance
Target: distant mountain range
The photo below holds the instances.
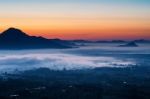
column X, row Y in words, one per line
column 113, row 41
column 16, row 39
column 142, row 41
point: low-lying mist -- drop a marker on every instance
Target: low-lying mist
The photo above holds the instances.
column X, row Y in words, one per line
column 86, row 57
column 57, row 62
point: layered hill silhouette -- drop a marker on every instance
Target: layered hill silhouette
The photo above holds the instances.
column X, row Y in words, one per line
column 14, row 38
column 130, row 44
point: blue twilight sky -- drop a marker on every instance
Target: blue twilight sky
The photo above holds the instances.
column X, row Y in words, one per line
column 69, row 19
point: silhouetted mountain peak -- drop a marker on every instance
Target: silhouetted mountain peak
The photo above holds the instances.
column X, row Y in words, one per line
column 12, row 29
column 14, row 38
column 13, row 33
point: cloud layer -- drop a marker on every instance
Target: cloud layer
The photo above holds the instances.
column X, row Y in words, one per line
column 57, row 62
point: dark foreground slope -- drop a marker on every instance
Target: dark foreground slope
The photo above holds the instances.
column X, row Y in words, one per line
column 16, row 39
column 100, row 83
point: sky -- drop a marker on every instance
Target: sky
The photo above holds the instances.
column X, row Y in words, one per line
column 78, row 19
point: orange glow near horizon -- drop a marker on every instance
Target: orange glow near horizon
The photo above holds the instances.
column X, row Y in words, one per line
column 85, row 19
column 82, row 29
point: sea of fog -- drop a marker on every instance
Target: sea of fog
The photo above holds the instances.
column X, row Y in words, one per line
column 88, row 56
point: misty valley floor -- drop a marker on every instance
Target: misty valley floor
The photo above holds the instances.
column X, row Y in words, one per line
column 99, row 83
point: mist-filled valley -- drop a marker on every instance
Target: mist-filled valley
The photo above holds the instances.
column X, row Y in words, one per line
column 86, row 57
column 91, row 71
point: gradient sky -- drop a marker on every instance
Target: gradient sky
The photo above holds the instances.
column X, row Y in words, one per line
column 78, row 19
